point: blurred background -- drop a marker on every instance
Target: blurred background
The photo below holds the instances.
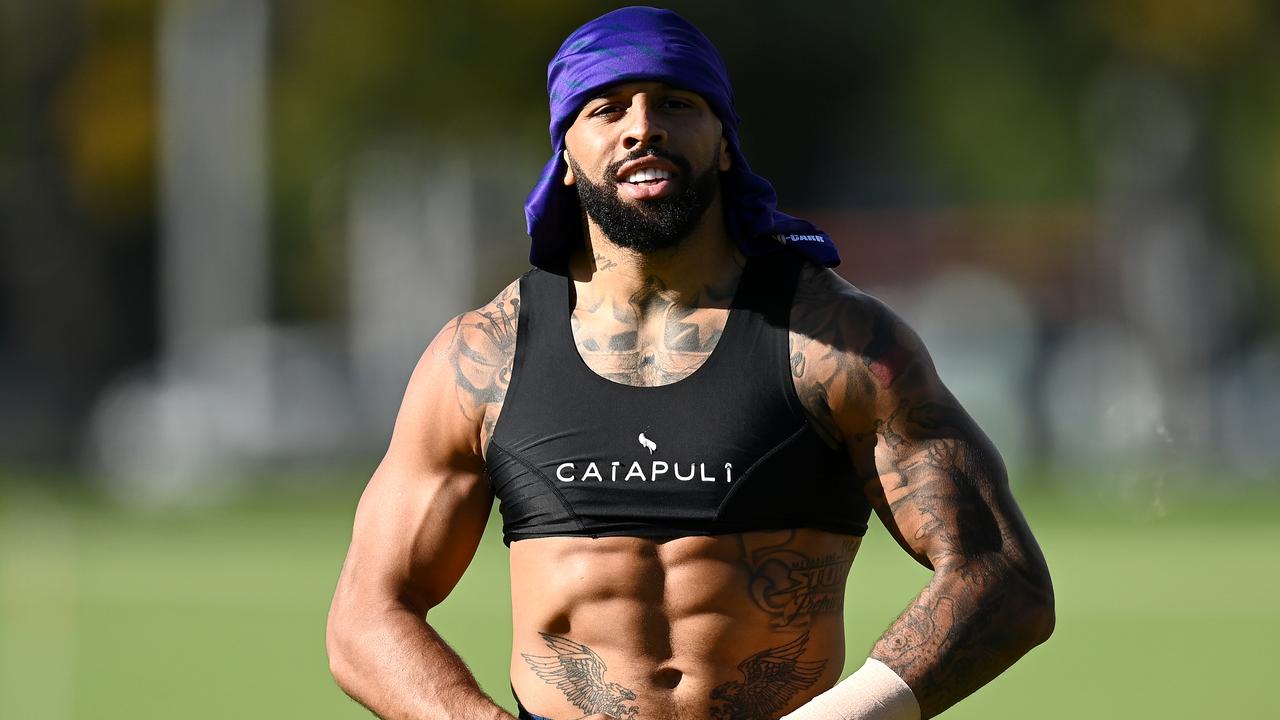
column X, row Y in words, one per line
column 229, row 227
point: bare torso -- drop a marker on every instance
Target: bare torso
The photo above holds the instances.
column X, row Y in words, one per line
column 688, row 628
column 730, row 626
column 680, row 625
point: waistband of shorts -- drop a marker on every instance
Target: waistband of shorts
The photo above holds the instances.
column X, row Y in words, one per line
column 523, row 713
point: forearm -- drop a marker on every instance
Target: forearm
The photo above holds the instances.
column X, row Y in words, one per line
column 398, row 667
column 967, row 626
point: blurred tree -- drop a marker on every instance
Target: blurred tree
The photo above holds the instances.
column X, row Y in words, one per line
column 1227, row 55
column 76, row 251
column 106, row 111
column 349, row 77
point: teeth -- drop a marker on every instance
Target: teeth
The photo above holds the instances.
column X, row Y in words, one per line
column 648, row 174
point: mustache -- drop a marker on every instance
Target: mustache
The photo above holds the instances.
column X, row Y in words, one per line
column 685, row 168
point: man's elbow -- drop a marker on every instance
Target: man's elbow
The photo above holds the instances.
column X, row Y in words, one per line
column 339, row 665
column 1038, row 614
column 340, row 640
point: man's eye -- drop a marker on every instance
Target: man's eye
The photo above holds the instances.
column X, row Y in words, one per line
column 678, row 103
column 606, row 110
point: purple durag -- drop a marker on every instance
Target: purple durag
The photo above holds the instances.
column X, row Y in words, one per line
column 643, row 43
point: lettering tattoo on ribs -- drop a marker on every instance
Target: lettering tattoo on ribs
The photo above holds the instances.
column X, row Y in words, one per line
column 770, row 678
column 578, row 672
column 790, row 586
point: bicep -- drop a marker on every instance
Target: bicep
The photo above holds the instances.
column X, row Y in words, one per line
column 940, row 487
column 934, row 478
column 415, row 533
column 940, row 484
column 423, row 512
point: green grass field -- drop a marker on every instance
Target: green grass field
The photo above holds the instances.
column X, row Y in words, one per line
column 107, row 613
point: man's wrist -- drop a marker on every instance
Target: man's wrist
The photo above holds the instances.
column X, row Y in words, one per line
column 874, row 692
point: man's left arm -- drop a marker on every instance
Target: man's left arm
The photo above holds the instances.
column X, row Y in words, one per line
column 941, row 489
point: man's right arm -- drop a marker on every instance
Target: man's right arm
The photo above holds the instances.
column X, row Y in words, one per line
column 417, row 527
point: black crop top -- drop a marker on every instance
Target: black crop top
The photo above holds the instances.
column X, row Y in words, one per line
column 727, row 449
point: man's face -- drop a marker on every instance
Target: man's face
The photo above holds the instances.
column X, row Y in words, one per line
column 646, row 160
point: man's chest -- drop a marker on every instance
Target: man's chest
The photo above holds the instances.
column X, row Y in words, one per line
column 657, row 348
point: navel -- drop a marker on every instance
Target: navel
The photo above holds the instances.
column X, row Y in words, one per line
column 667, row 678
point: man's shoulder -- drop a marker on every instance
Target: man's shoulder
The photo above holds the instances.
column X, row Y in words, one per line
column 849, row 352
column 465, row 370
column 481, row 340
column 831, row 310
column 482, row 328
column 502, row 311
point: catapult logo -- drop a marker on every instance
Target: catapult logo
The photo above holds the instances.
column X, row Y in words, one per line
column 652, row 471
column 648, row 444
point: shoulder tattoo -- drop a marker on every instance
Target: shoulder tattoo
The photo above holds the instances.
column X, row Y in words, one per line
column 846, row 349
column 481, row 354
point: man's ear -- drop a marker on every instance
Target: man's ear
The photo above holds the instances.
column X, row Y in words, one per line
column 726, row 160
column 569, row 177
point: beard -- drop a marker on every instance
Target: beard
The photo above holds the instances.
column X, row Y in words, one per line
column 648, row 225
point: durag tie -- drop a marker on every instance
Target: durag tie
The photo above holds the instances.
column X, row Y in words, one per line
column 647, row 44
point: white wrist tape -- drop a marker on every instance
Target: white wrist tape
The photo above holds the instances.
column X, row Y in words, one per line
column 874, row 692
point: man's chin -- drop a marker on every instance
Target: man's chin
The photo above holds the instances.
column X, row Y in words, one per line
column 650, row 244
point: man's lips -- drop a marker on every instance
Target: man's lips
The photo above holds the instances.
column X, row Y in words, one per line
column 649, row 190
column 646, row 163
column 651, row 183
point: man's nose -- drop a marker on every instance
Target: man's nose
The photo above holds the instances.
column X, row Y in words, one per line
column 643, row 126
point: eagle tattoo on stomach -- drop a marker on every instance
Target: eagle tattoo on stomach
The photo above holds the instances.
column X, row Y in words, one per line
column 770, row 678
column 578, row 672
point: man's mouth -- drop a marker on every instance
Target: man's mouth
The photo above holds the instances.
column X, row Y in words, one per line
column 647, row 176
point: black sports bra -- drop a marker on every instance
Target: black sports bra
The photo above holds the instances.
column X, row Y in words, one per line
column 727, row 449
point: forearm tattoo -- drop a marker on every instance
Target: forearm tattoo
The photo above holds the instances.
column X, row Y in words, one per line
column 936, row 481
column 578, row 672
column 794, row 588
column 770, row 678
column 965, row 627
column 484, row 344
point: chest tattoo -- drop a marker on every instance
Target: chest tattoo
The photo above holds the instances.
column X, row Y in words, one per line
column 650, row 340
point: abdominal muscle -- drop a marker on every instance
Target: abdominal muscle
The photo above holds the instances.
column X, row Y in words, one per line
column 744, row 627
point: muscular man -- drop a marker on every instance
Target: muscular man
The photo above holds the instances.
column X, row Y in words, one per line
column 686, row 418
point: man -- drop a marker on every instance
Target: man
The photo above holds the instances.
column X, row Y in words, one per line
column 686, row 418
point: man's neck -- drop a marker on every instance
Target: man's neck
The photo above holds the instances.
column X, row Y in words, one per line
column 702, row 270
